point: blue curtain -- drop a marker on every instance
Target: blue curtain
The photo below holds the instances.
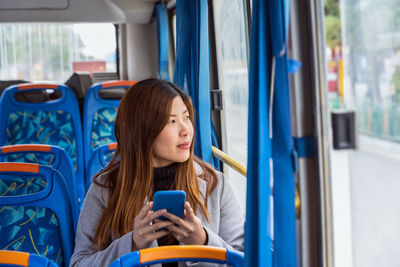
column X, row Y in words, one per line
column 258, row 239
column 192, row 67
column 282, row 142
column 162, row 34
column 269, row 55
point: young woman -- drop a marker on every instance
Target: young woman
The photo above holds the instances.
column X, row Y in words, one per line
column 155, row 135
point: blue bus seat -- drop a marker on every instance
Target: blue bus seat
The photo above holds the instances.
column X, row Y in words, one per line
column 166, row 254
column 99, row 115
column 100, row 158
column 56, row 122
column 23, row 259
column 36, row 216
column 52, row 156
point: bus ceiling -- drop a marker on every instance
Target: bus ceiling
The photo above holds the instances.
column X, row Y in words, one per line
column 115, row 11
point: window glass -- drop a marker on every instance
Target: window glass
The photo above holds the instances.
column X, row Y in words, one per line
column 53, row 52
column 364, row 81
column 231, row 42
column 372, row 66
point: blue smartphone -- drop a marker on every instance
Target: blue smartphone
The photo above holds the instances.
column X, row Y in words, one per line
column 172, row 200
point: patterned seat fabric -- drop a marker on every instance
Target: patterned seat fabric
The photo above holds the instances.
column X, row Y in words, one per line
column 29, row 229
column 21, row 186
column 99, row 159
column 107, row 156
column 43, row 127
column 37, row 158
column 103, row 127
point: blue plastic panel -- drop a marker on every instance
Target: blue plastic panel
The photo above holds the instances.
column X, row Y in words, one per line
column 39, row 261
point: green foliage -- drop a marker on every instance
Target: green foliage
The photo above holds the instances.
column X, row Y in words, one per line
column 332, row 8
column 333, row 31
column 332, row 23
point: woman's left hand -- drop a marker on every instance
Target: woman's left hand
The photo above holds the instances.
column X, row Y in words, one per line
column 189, row 231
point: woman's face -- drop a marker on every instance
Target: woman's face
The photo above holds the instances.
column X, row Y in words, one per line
column 174, row 141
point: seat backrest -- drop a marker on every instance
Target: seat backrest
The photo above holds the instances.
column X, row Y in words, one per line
column 100, row 158
column 54, row 157
column 104, row 76
column 23, row 259
column 36, row 214
column 167, row 254
column 56, row 122
column 99, row 115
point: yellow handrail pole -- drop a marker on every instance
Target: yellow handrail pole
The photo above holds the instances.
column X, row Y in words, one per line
column 229, row 161
column 341, row 76
column 242, row 170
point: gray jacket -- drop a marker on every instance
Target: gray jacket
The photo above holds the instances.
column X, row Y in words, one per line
column 225, row 229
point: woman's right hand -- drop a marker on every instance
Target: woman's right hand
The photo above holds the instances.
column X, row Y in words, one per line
column 146, row 226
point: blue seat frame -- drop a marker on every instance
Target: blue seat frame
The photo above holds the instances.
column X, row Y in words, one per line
column 23, row 259
column 94, row 103
column 98, row 162
column 66, row 103
column 168, row 254
column 54, row 196
column 60, row 161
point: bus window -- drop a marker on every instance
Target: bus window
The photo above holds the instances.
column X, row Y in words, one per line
column 230, row 38
column 53, row 52
column 365, row 181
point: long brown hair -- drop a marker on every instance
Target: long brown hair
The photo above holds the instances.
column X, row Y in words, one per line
column 142, row 114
